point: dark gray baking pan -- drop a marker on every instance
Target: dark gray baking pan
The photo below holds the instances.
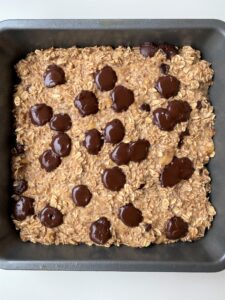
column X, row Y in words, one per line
column 17, row 38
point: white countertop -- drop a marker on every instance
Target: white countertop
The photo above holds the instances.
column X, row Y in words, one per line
column 111, row 285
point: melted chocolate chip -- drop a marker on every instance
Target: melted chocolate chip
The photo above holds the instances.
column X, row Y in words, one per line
column 168, row 86
column 179, row 110
column 51, row 217
column 86, row 103
column 134, row 151
column 19, row 186
column 49, row 160
column 61, row 144
column 81, row 195
column 176, row 228
column 164, row 68
column 176, row 112
column 169, row 50
column 114, row 131
column 141, row 186
column 113, row 179
column 120, row 154
column 53, row 76
column 130, row 215
column 181, row 137
column 100, row 231
column 18, row 149
column 23, row 208
column 105, row 79
column 148, row 227
column 93, row 141
column 60, row 122
column 179, row 169
column 148, row 49
column 199, row 105
column 145, row 107
column 122, row 98
column 186, row 168
column 138, row 150
column 40, row 114
column 163, row 119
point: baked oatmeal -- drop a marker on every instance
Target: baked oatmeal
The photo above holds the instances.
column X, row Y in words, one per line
column 111, row 146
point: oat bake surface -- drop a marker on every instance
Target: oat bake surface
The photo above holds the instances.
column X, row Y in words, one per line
column 187, row 199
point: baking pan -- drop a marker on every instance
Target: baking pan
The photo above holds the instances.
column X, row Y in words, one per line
column 17, row 38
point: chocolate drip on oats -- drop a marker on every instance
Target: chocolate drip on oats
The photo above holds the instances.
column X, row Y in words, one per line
column 60, row 122
column 176, row 112
column 51, row 217
column 122, row 98
column 100, row 231
column 130, row 215
column 148, row 227
column 199, row 105
column 164, row 68
column 179, row 169
column 23, row 208
column 148, row 49
column 114, row 131
column 49, row 160
column 18, row 149
column 61, row 144
column 138, row 150
column 81, row 195
column 54, row 75
column 113, row 179
column 176, row 228
column 40, row 114
column 168, row 86
column 86, row 103
column 181, row 137
column 20, row 186
column 145, row 107
column 106, row 79
column 120, row 154
column 169, row 50
column 93, row 141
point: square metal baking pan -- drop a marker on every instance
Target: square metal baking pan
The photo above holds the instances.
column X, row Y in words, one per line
column 17, row 38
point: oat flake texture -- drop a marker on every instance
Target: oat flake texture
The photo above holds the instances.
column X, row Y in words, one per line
column 188, row 199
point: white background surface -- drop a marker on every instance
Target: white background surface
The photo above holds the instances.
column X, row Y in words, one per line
column 111, row 285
